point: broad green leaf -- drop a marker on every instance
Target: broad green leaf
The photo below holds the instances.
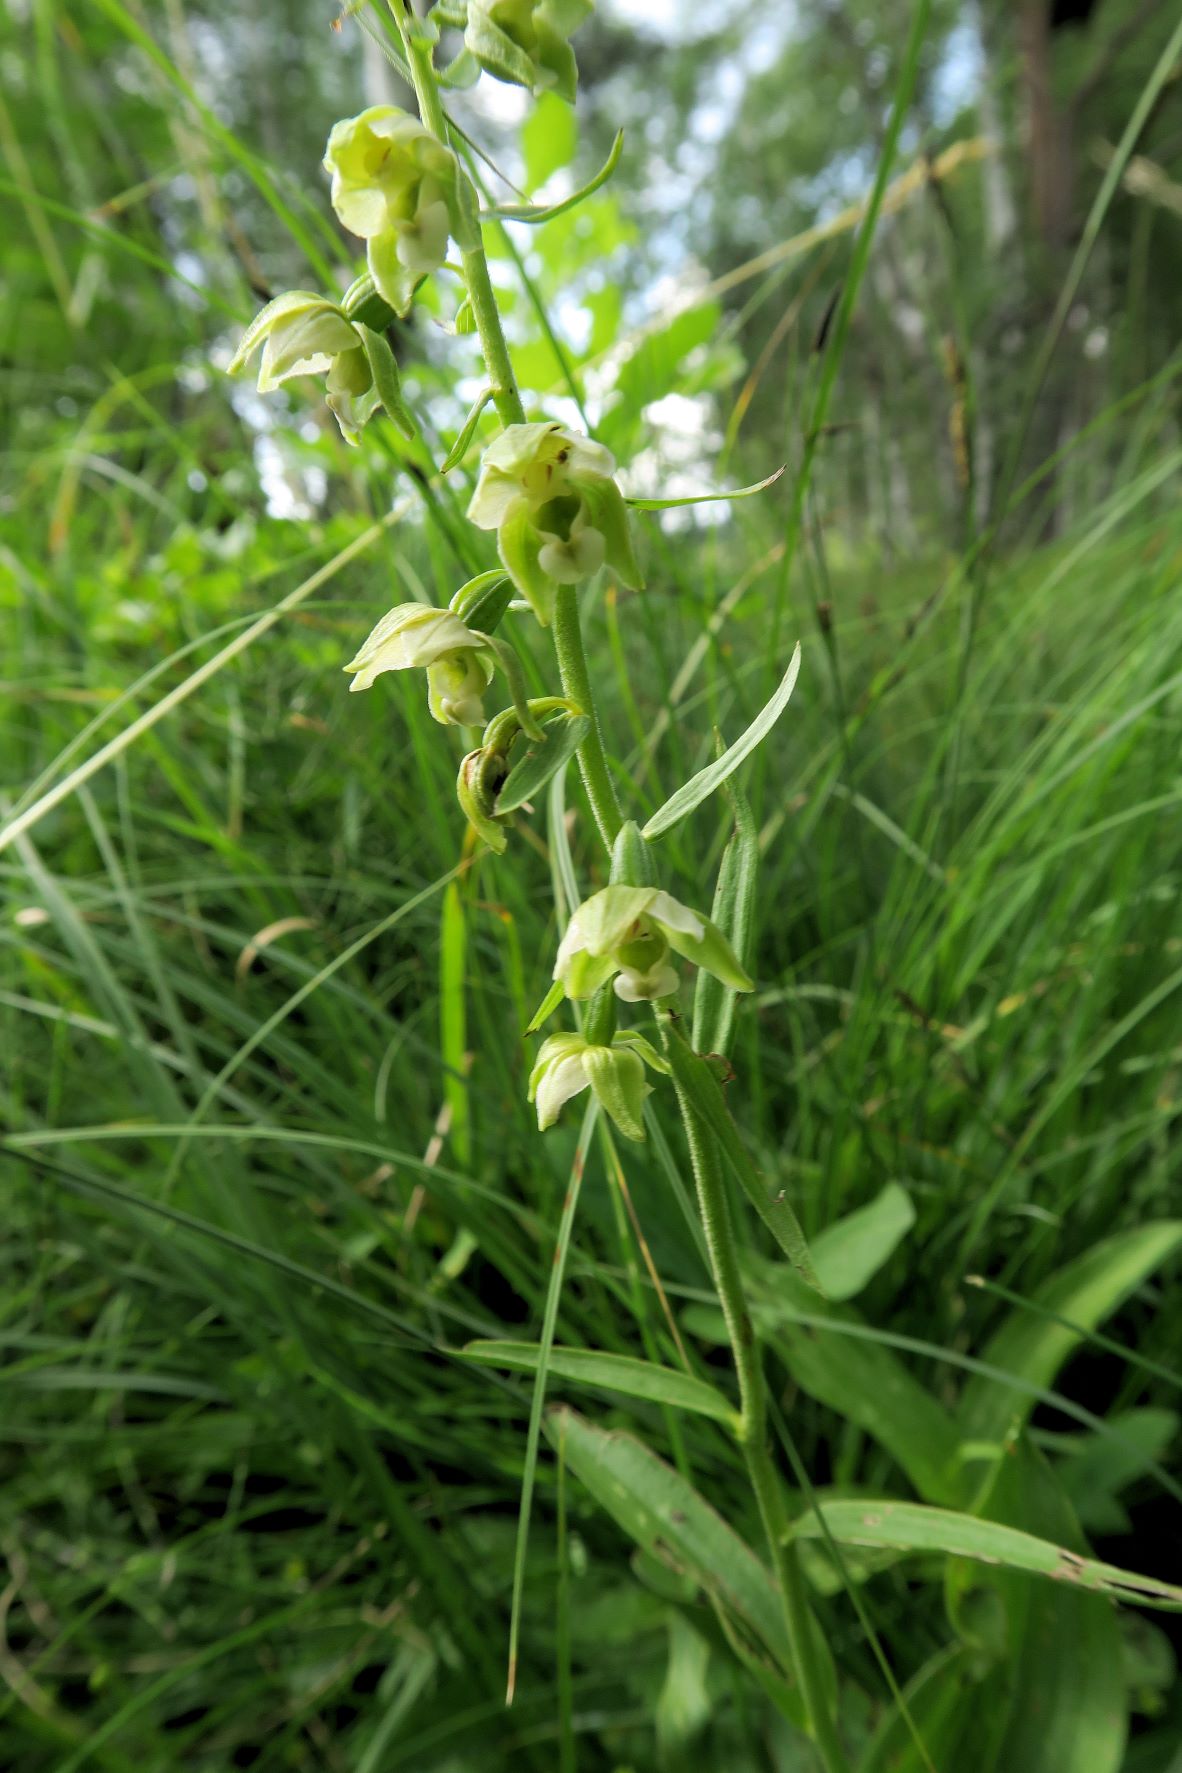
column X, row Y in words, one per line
column 1055, row 1696
column 537, row 761
column 549, row 137
column 610, row 1372
column 707, row 498
column 731, row 912
column 696, row 790
column 914, row 1526
column 848, row 1253
column 698, row 1084
column 668, row 1518
column 833, row 1356
column 1032, row 1345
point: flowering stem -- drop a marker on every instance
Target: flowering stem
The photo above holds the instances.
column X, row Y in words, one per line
column 751, row 1431
column 576, row 683
column 505, row 393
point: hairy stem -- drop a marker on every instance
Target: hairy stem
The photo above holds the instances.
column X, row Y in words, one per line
column 752, row 1434
column 506, row 395
column 576, row 683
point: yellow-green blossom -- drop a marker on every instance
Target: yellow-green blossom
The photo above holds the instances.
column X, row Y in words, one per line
column 302, row 334
column 568, row 1064
column 457, row 660
column 393, row 184
column 626, row 934
column 559, row 516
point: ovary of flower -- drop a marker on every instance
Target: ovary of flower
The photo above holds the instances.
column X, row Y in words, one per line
column 626, row 934
column 568, row 1064
column 390, row 184
column 456, row 658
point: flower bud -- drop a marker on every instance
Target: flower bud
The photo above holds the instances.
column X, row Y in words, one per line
column 457, row 660
column 394, row 185
column 525, row 41
column 626, row 934
column 558, row 513
column 568, row 1064
column 477, row 786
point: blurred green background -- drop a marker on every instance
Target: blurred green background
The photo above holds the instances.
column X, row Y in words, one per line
column 267, row 1160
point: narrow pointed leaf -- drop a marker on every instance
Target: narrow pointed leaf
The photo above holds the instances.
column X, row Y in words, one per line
column 695, row 1078
column 459, row 448
column 536, row 213
column 708, row 498
column 696, row 790
column 539, row 759
column 732, row 911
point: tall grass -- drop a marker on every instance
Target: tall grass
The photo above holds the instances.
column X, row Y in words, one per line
column 268, row 1162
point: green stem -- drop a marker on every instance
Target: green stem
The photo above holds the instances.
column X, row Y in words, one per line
column 752, row 1434
column 576, row 683
column 505, row 393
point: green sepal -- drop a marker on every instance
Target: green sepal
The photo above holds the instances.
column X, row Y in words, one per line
column 616, row 1076
column 386, row 379
column 607, row 512
column 519, row 545
column 713, row 953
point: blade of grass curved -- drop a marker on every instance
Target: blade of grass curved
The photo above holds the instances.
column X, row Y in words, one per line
column 546, row 1343
column 146, row 721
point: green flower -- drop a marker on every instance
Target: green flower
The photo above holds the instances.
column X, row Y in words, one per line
column 568, row 1064
column 393, row 184
column 626, row 934
column 558, row 513
column 303, row 334
column 457, row 660
column 525, row 41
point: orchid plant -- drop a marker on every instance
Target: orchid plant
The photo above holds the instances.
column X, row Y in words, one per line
column 404, row 186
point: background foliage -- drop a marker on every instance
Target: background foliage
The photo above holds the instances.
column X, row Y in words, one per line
column 268, row 1165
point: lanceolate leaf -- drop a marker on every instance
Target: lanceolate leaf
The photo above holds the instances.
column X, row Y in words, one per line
column 667, row 1517
column 538, row 761
column 695, row 1078
column 1033, row 1344
column 707, row 780
column 707, row 498
column 913, row 1526
column 610, row 1372
column 734, row 898
column 532, row 212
